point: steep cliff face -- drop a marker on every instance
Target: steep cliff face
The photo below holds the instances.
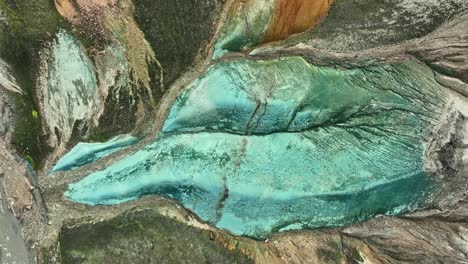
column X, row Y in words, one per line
column 266, row 131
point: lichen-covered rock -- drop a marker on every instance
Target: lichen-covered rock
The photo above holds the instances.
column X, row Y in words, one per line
column 128, row 73
column 136, row 56
column 67, row 87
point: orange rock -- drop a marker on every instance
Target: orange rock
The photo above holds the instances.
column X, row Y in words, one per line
column 295, row 16
column 66, row 10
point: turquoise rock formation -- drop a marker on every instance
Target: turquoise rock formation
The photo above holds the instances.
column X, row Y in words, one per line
column 84, row 153
column 68, row 87
column 256, row 147
column 248, row 97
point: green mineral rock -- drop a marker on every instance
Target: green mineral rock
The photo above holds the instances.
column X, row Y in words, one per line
column 258, row 147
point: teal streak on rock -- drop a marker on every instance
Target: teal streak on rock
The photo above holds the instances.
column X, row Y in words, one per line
column 84, row 153
column 245, row 28
column 260, row 147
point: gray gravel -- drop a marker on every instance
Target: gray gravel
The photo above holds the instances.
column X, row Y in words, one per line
column 12, row 247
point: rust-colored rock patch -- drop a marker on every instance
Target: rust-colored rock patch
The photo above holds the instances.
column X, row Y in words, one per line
column 295, row 16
